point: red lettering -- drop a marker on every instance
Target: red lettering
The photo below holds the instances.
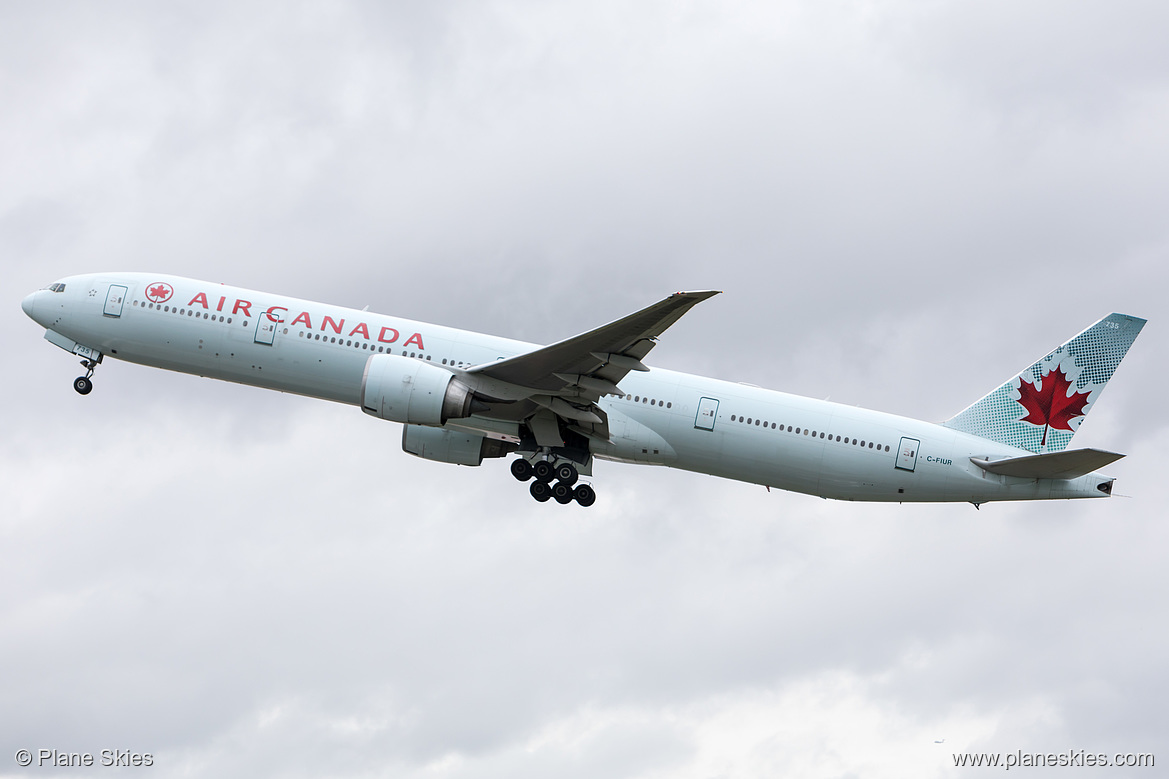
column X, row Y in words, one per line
column 276, row 308
column 304, row 318
column 415, row 339
column 335, row 325
column 242, row 305
column 201, row 299
column 361, row 328
column 222, row 300
column 382, row 335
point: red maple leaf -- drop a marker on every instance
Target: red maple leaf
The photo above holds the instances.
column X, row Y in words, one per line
column 1050, row 405
column 160, row 292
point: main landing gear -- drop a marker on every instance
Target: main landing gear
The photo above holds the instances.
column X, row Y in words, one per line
column 563, row 491
column 82, row 384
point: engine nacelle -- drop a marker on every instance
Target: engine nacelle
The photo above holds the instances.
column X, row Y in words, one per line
column 451, row 446
column 406, row 390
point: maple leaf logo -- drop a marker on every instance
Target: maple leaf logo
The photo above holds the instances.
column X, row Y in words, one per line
column 1049, row 404
column 160, row 292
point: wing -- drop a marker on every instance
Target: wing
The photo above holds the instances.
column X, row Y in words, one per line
column 564, row 380
column 606, row 354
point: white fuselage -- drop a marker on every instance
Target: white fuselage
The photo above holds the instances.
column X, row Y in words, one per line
column 666, row 418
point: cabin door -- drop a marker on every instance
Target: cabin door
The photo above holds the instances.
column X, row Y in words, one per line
column 114, row 300
column 707, row 413
column 907, row 454
column 265, row 330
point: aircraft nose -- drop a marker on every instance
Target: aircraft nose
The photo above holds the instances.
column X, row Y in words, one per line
column 29, row 305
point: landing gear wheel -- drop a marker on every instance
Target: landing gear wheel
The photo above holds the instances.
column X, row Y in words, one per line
column 521, row 469
column 563, row 493
column 540, row 490
column 543, row 470
column 83, row 385
column 585, row 495
column 566, row 474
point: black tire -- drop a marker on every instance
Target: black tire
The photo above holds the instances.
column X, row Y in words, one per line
column 585, row 495
column 566, row 474
column 563, row 493
column 540, row 490
column 521, row 469
column 543, row 470
column 83, row 385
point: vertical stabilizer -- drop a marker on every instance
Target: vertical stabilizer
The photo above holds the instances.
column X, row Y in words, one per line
column 1040, row 409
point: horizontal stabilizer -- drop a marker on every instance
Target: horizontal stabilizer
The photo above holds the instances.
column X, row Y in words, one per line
column 1055, row 465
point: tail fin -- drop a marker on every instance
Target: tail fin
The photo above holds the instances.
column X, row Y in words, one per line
column 1040, row 409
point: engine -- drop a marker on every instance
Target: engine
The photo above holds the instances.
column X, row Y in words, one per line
column 402, row 389
column 451, row 446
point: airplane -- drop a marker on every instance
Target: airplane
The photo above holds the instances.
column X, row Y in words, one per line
column 463, row 397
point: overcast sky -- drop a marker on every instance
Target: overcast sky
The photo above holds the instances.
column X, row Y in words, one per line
column 904, row 202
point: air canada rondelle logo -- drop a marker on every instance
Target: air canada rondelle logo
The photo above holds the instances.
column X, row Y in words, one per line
column 160, row 292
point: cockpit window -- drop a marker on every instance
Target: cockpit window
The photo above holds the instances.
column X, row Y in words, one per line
column 58, row 287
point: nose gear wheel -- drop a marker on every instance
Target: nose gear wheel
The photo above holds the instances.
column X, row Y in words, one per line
column 83, row 384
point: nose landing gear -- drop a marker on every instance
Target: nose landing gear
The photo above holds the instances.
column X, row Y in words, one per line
column 82, row 384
